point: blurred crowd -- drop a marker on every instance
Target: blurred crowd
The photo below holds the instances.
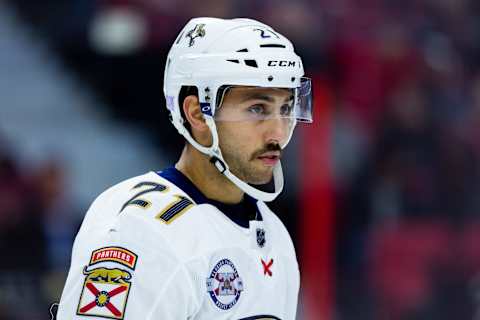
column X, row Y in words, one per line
column 406, row 80
column 36, row 234
column 405, row 77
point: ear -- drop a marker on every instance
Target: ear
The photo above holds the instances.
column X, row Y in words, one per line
column 193, row 114
column 199, row 129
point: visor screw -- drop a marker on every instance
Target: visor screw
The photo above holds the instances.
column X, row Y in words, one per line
column 270, row 78
column 293, row 79
column 207, row 98
column 207, row 89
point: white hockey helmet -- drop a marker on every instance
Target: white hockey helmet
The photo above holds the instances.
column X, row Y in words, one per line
column 211, row 53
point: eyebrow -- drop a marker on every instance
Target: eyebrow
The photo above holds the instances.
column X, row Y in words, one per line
column 262, row 96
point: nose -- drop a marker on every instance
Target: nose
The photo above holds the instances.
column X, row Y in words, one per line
column 277, row 129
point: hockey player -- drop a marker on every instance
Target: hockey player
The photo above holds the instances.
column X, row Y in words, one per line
column 197, row 241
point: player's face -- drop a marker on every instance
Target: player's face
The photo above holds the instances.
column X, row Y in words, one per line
column 253, row 125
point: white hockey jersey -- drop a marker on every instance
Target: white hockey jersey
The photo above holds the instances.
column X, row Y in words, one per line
column 154, row 248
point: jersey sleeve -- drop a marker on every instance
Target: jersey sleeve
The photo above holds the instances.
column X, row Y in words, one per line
column 162, row 289
column 126, row 271
column 172, row 302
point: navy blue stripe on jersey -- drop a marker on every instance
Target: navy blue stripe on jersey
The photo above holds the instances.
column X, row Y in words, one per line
column 175, row 209
column 140, row 202
column 240, row 213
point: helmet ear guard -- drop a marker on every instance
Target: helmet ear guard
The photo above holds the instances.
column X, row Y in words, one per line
column 210, row 53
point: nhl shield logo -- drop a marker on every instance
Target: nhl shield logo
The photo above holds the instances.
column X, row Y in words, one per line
column 224, row 285
column 261, row 237
column 197, row 32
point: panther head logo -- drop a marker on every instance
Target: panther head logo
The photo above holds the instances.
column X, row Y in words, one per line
column 197, row 32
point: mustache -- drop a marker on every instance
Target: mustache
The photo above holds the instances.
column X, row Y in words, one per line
column 267, row 148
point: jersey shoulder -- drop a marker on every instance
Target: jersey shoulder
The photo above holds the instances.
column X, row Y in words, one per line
column 155, row 197
column 189, row 229
column 134, row 205
column 138, row 194
column 151, row 207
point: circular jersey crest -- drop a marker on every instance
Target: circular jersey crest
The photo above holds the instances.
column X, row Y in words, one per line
column 224, row 285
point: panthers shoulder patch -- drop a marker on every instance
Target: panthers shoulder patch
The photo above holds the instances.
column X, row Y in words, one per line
column 105, row 290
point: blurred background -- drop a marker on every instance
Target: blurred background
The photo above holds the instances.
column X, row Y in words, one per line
column 382, row 195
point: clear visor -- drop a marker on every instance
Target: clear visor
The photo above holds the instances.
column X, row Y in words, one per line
column 241, row 103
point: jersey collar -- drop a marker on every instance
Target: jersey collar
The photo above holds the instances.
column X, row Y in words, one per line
column 240, row 213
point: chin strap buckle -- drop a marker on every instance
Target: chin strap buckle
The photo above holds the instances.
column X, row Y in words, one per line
column 219, row 164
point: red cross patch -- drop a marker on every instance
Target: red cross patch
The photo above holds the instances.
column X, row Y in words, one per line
column 266, row 267
column 104, row 298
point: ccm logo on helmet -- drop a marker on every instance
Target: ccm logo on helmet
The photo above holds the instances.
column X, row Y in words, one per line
column 281, row 63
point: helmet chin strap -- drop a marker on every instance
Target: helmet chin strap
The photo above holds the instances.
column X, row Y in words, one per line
column 217, row 160
column 248, row 189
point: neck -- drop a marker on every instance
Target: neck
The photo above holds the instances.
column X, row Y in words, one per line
column 214, row 185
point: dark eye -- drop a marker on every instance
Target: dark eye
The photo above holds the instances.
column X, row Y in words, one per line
column 286, row 110
column 257, row 109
